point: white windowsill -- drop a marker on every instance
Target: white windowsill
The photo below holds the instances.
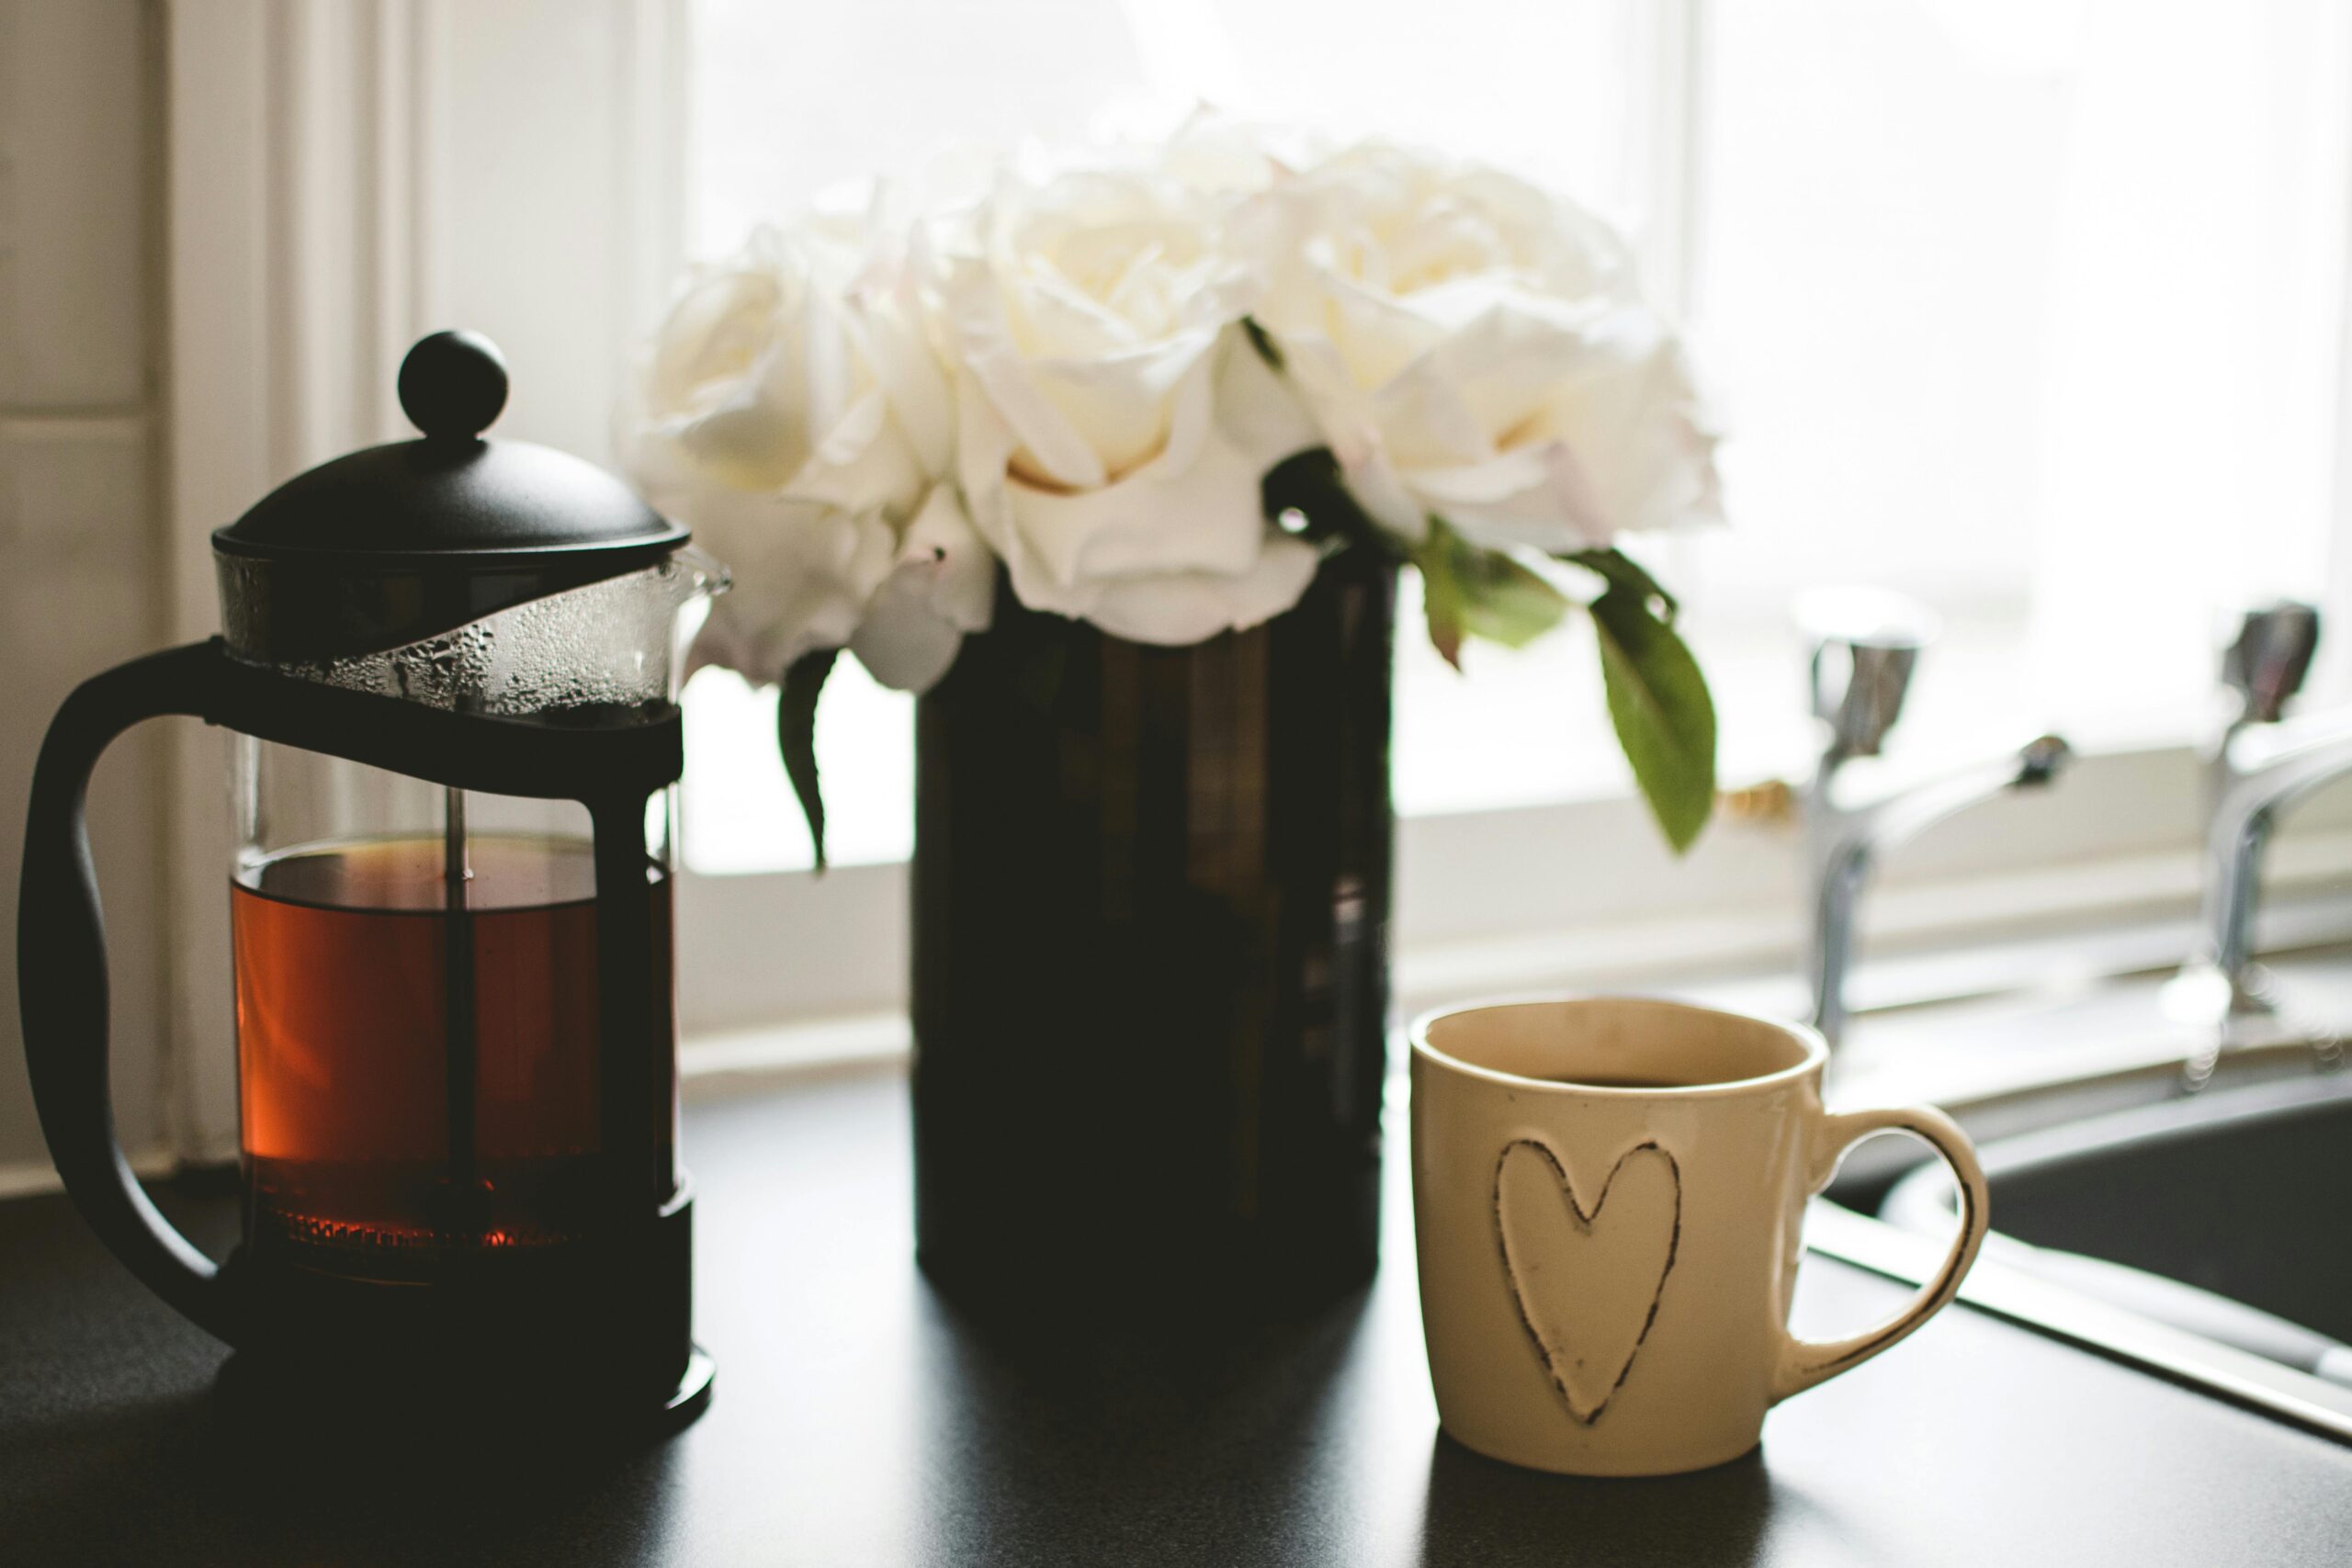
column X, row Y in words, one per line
column 1948, row 941
column 1577, row 892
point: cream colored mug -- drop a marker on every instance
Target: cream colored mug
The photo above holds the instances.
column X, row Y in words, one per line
column 1609, row 1196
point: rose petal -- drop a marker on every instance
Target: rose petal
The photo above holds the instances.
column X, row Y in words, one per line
column 1382, row 492
column 1195, row 508
column 942, row 546
column 1176, row 609
column 1536, row 497
column 903, row 642
column 1259, row 410
column 984, row 447
column 910, row 373
column 715, row 333
column 1120, row 405
column 864, row 464
column 981, row 344
column 803, row 575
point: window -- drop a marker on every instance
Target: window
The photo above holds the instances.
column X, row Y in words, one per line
column 2034, row 311
column 2030, row 309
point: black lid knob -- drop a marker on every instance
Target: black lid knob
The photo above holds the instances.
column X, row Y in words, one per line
column 396, row 543
column 453, row 384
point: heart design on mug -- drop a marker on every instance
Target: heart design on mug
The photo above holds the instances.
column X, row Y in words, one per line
column 1587, row 1292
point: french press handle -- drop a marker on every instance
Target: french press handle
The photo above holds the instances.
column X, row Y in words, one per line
column 60, row 935
column 62, row 977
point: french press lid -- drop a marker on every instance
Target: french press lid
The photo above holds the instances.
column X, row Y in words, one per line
column 394, row 544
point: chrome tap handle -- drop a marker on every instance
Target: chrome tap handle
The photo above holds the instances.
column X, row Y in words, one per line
column 2266, row 661
column 1846, row 844
column 2042, row 759
column 2263, row 666
column 1865, row 647
column 2256, row 769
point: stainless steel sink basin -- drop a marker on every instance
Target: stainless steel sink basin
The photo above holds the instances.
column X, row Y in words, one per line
column 2224, row 1215
column 2097, row 1085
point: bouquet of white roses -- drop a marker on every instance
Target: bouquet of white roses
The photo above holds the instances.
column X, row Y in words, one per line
column 1154, row 389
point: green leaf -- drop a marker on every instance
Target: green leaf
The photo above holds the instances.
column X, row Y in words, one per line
column 1506, row 603
column 1665, row 719
column 1470, row 592
column 796, row 725
column 1441, row 603
column 1620, row 570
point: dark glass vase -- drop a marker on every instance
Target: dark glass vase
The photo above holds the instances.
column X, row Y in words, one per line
column 1150, row 988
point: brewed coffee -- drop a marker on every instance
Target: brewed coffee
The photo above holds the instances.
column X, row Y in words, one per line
column 349, row 1084
column 1599, row 1080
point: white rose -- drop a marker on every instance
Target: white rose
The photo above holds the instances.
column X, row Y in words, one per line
column 1113, row 422
column 791, row 413
column 1475, row 349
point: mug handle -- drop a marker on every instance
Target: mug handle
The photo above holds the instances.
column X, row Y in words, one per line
column 61, row 978
column 1804, row 1362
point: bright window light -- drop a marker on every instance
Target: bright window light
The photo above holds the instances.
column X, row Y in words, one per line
column 2000, row 314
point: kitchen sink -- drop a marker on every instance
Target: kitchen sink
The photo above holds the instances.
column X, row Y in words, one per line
column 2221, row 1215
column 2089, row 1092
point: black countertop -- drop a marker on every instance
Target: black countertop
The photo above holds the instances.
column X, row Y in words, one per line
column 860, row 1420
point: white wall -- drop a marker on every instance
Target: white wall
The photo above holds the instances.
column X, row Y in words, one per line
column 78, row 515
column 229, row 217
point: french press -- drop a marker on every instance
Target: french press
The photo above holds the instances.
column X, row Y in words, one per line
column 447, row 665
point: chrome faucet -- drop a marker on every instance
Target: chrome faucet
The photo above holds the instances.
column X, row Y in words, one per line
column 2260, row 765
column 1866, row 646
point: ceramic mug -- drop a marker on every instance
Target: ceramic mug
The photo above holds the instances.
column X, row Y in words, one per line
column 1609, row 1196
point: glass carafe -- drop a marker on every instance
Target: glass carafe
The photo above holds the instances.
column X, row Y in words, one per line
column 418, row 1059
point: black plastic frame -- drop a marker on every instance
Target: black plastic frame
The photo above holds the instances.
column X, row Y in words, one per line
column 612, row 770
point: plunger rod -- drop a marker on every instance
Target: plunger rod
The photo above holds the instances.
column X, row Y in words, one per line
column 458, row 966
